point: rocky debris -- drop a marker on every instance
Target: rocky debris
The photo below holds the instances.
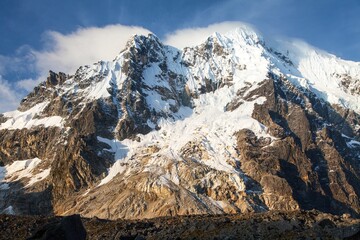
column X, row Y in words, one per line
column 69, row 228
column 270, row 225
column 273, row 225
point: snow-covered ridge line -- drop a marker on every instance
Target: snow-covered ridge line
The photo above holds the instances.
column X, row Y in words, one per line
column 19, row 120
column 331, row 78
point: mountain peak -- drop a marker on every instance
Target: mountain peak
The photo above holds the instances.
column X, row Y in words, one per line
column 246, row 34
column 231, row 125
column 138, row 40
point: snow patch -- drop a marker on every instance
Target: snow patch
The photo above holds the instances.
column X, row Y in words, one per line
column 220, row 204
column 9, row 210
column 20, row 120
column 22, row 169
column 351, row 143
column 155, row 101
column 116, row 147
column 120, row 151
column 116, row 168
column 39, row 177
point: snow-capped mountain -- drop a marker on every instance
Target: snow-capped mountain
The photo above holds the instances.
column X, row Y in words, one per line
column 231, row 125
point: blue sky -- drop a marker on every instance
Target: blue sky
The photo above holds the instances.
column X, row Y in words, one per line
column 35, row 32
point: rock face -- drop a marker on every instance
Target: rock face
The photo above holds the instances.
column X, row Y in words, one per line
column 308, row 163
column 229, row 126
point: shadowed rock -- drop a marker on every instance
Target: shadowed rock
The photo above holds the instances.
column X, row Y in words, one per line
column 69, row 228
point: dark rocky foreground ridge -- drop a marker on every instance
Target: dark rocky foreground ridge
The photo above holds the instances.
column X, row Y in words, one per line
column 270, row 225
column 131, row 138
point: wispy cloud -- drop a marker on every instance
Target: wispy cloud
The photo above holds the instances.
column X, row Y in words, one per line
column 22, row 61
column 242, row 10
column 9, row 96
column 84, row 46
column 194, row 36
column 29, row 83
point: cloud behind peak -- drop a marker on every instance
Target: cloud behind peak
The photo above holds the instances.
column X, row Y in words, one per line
column 189, row 37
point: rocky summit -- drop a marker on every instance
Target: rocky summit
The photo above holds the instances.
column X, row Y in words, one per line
column 237, row 124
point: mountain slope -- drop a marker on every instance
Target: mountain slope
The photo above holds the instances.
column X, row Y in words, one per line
column 231, row 125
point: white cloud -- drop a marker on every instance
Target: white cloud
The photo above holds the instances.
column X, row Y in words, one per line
column 29, row 84
column 85, row 46
column 189, row 37
column 21, row 62
column 9, row 97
